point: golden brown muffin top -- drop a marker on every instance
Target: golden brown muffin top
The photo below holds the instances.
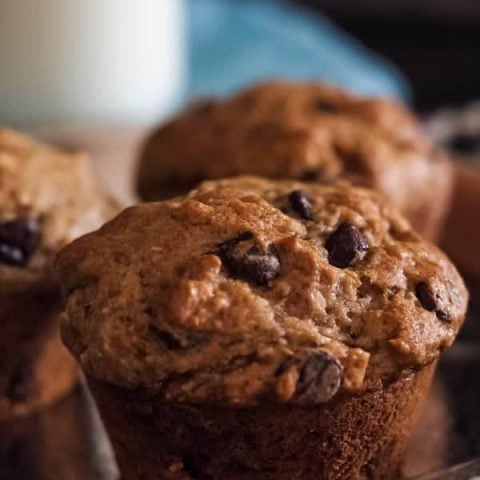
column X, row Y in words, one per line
column 47, row 198
column 249, row 289
column 305, row 131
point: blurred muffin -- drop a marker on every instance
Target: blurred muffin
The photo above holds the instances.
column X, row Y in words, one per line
column 259, row 329
column 302, row 131
column 459, row 131
column 461, row 235
column 47, row 198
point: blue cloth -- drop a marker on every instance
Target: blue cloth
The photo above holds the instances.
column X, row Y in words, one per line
column 237, row 42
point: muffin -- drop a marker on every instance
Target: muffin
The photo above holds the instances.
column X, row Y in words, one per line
column 47, row 198
column 259, row 329
column 461, row 235
column 310, row 132
column 459, row 131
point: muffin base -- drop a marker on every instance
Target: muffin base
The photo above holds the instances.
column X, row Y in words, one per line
column 35, row 373
column 363, row 436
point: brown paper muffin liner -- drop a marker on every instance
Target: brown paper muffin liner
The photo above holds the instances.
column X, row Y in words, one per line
column 361, row 436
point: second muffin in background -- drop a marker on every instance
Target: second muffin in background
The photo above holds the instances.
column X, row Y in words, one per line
column 306, row 131
column 48, row 198
column 259, row 329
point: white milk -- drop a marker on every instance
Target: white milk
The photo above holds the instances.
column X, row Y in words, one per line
column 78, row 61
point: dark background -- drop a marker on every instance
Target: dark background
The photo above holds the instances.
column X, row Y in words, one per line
column 436, row 43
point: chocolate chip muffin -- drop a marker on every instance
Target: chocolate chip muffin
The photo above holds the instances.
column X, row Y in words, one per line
column 309, row 132
column 259, row 329
column 47, row 198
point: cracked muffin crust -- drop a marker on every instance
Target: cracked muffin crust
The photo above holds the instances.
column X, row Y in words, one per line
column 308, row 132
column 249, row 289
column 47, row 198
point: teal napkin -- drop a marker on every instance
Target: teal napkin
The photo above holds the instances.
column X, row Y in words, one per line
column 237, row 42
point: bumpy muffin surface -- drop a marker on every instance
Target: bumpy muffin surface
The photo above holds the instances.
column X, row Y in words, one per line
column 248, row 289
column 47, row 198
column 306, row 132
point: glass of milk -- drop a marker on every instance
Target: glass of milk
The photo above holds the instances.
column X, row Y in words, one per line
column 92, row 75
column 83, row 61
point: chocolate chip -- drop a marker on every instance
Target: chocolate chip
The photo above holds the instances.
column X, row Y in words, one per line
column 345, row 245
column 11, row 255
column 325, row 106
column 20, row 383
column 319, row 377
column 257, row 266
column 300, row 204
column 244, row 259
column 428, row 301
column 443, row 316
column 18, row 240
column 180, row 341
column 425, row 296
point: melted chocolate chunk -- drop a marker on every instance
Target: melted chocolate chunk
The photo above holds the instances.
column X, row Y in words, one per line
column 345, row 245
column 18, row 240
column 180, row 341
column 319, row 377
column 325, row 106
column 443, row 316
column 425, row 296
column 244, row 259
column 11, row 256
column 20, row 383
column 428, row 301
column 300, row 204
